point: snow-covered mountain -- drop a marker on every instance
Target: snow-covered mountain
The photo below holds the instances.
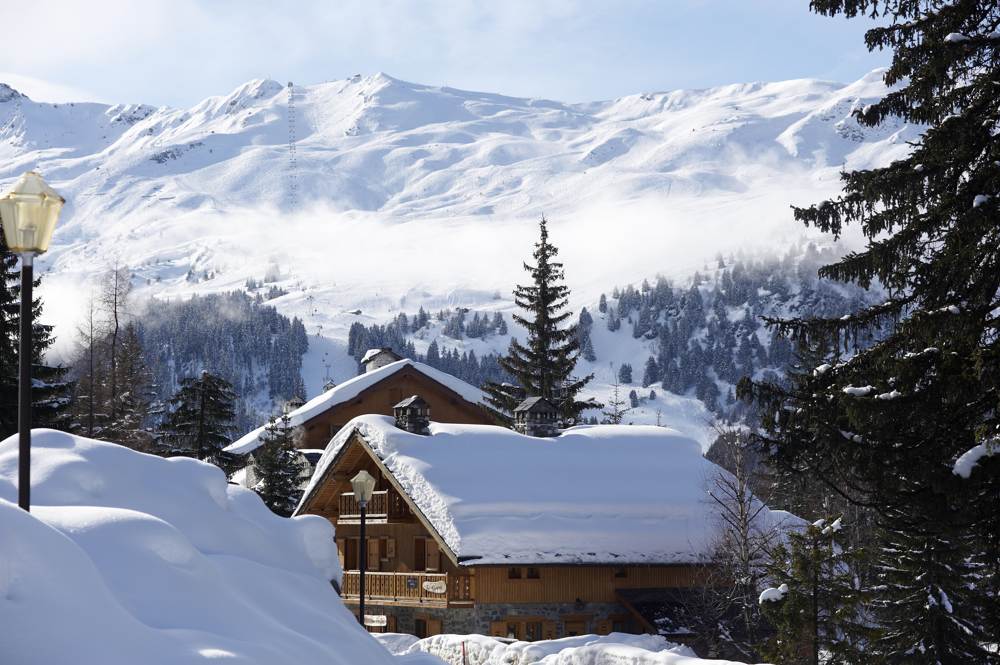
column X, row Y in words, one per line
column 378, row 195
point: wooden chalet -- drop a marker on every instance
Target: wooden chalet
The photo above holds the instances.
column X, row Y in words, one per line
column 386, row 381
column 480, row 529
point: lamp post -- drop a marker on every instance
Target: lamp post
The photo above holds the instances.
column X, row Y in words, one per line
column 363, row 484
column 28, row 213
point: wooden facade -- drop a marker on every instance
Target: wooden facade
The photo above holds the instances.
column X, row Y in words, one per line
column 410, row 566
column 447, row 406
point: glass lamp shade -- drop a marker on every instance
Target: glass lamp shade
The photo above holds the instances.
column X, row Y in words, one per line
column 364, row 485
column 29, row 212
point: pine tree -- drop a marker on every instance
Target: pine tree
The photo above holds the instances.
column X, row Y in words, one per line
column 50, row 390
column 200, row 421
column 885, row 426
column 277, row 467
column 625, row 373
column 544, row 366
column 135, row 394
column 817, row 606
column 651, row 374
column 616, row 409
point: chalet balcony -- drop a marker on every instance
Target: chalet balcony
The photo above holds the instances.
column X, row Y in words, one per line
column 384, row 506
column 425, row 589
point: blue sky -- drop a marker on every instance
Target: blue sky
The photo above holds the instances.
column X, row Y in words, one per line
column 177, row 52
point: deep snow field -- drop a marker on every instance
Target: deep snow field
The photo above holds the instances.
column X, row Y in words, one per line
column 128, row 558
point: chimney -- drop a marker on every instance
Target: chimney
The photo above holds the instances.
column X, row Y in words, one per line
column 375, row 358
column 536, row 416
column 413, row 414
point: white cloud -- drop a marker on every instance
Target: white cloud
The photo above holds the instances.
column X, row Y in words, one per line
column 48, row 91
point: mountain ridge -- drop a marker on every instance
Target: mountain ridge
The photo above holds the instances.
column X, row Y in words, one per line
column 378, row 195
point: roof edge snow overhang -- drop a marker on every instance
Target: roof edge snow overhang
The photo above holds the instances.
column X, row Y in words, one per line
column 356, row 436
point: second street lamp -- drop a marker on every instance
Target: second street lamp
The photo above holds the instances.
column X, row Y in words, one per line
column 363, row 484
column 28, row 213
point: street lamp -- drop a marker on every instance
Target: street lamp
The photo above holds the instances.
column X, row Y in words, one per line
column 363, row 485
column 28, row 213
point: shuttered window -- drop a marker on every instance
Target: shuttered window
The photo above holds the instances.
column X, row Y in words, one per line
column 433, row 556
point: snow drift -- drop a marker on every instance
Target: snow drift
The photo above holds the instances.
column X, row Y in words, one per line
column 131, row 558
column 613, row 649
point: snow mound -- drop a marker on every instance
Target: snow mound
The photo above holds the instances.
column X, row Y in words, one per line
column 131, row 558
column 613, row 649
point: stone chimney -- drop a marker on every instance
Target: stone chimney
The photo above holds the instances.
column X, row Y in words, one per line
column 413, row 414
column 375, row 358
column 536, row 416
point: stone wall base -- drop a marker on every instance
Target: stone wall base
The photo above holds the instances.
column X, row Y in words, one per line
column 562, row 619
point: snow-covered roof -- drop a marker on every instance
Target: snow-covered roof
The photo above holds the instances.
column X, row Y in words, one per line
column 350, row 389
column 593, row 494
column 370, row 354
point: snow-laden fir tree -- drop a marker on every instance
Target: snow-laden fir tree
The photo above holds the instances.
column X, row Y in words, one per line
column 651, row 373
column 278, row 466
column 50, row 391
column 200, row 422
column 816, row 605
column 544, row 365
column 884, row 426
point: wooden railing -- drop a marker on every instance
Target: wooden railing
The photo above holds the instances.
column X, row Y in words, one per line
column 383, row 504
column 409, row 588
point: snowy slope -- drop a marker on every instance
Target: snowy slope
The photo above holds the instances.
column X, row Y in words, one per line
column 130, row 558
column 399, row 195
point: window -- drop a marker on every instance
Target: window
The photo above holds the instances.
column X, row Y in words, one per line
column 513, row 631
column 513, row 573
column 532, row 630
column 351, row 554
column 620, row 625
column 419, row 554
column 533, row 574
column 621, row 572
column 432, row 555
column 420, row 627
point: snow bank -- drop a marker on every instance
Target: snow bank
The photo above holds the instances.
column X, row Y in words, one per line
column 130, row 558
column 594, row 494
column 613, row 649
